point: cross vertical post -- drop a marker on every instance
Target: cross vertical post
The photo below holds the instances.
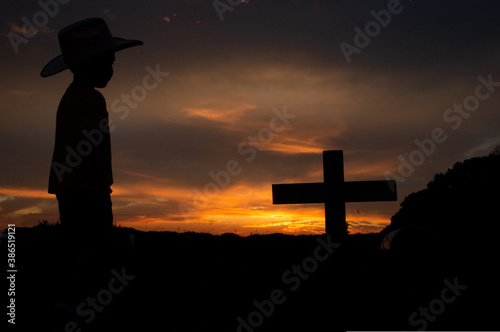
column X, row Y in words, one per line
column 333, row 175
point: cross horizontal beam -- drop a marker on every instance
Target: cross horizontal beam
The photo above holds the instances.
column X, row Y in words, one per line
column 334, row 192
column 353, row 191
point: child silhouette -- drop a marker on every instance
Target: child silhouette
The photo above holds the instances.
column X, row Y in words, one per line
column 80, row 174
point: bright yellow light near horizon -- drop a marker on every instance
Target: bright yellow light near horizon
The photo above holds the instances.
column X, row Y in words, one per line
column 242, row 207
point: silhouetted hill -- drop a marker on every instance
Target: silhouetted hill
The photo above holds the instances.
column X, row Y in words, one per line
column 203, row 282
column 460, row 206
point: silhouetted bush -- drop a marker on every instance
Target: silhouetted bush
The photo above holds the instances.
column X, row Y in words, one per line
column 459, row 205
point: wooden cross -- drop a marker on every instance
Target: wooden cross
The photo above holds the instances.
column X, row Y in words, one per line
column 334, row 192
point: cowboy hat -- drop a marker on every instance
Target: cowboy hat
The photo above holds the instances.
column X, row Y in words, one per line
column 82, row 41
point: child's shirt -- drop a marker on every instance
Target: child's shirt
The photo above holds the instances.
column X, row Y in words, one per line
column 82, row 151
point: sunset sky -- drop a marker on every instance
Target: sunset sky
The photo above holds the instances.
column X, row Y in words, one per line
column 257, row 90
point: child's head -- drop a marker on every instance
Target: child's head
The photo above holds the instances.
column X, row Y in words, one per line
column 96, row 72
column 88, row 49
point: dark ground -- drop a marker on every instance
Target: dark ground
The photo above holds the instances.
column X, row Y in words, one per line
column 201, row 282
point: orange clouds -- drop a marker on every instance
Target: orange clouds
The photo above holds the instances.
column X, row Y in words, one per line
column 241, row 208
column 12, row 210
column 25, row 192
column 293, row 145
column 230, row 115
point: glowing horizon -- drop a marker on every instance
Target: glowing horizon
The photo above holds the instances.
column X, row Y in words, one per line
column 225, row 214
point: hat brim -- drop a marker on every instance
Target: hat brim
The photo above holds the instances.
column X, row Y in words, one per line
column 57, row 64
